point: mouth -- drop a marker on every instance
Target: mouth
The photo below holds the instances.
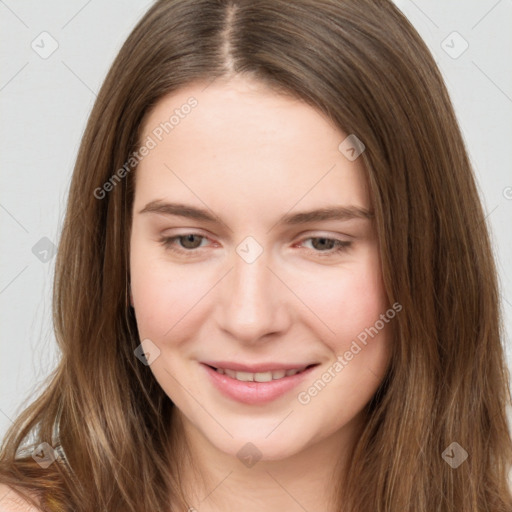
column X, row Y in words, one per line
column 261, row 376
column 256, row 387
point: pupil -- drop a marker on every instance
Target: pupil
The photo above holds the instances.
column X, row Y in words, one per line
column 322, row 243
column 189, row 239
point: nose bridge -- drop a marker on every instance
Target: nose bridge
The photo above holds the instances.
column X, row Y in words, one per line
column 252, row 303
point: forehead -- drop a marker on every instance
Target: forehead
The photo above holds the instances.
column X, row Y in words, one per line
column 242, row 142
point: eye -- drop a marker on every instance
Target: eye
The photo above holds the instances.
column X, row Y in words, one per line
column 187, row 243
column 190, row 242
column 328, row 246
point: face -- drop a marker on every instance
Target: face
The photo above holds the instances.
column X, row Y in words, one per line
column 229, row 270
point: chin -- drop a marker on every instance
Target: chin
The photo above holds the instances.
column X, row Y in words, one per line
column 273, row 448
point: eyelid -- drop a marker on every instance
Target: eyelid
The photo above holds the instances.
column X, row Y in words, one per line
column 301, row 236
column 324, row 234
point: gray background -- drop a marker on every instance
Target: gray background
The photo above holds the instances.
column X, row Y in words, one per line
column 45, row 101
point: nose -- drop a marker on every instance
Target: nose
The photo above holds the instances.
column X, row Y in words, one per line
column 254, row 304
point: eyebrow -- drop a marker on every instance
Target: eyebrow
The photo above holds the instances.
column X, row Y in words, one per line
column 340, row 213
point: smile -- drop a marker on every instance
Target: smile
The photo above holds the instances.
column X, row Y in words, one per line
column 256, row 388
column 259, row 376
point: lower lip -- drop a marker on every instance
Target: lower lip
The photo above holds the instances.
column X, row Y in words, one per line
column 254, row 393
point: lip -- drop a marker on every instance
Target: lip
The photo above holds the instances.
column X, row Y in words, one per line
column 255, row 393
column 255, row 368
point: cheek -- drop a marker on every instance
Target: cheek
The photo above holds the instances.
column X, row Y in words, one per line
column 164, row 294
column 360, row 345
column 349, row 300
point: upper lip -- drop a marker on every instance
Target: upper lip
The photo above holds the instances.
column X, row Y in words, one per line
column 257, row 368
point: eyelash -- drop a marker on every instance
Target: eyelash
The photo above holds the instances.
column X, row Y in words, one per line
column 340, row 245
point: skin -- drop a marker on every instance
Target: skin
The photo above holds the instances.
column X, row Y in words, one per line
column 251, row 156
column 12, row 501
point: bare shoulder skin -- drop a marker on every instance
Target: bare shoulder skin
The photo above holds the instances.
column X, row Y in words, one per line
column 11, row 501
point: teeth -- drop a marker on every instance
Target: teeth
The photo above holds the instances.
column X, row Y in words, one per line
column 260, row 376
column 245, row 376
column 263, row 377
column 278, row 374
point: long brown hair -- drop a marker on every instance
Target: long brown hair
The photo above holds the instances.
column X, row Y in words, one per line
column 362, row 64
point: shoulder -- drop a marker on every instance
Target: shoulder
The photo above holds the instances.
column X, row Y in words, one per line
column 11, row 501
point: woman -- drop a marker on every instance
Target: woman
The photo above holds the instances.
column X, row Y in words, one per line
column 274, row 287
